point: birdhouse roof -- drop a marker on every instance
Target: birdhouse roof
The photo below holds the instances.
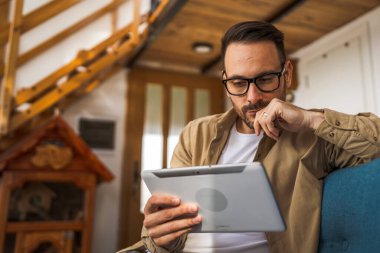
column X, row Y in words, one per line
column 53, row 146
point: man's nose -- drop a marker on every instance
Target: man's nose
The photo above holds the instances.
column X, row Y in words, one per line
column 253, row 94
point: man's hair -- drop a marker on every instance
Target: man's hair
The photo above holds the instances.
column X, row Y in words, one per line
column 254, row 31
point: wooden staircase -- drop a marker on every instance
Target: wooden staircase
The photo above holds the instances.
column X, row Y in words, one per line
column 80, row 76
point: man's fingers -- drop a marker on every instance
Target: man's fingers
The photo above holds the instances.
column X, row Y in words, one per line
column 169, row 214
column 256, row 125
column 267, row 130
column 265, row 121
column 166, row 218
column 271, row 129
column 173, row 226
column 156, row 202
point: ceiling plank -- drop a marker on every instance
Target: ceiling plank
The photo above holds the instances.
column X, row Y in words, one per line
column 284, row 11
column 277, row 16
column 207, row 21
column 39, row 16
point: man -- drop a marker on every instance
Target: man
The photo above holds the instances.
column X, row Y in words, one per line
column 298, row 148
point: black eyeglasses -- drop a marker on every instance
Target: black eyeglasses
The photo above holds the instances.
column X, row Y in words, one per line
column 267, row 82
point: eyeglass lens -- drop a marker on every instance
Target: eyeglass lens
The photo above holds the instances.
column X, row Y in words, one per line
column 268, row 82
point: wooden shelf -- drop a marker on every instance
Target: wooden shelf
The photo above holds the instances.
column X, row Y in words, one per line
column 13, row 227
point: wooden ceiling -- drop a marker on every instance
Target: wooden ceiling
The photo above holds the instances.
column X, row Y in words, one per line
column 206, row 21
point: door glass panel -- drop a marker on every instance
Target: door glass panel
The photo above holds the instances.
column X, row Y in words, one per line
column 202, row 103
column 177, row 117
column 152, row 141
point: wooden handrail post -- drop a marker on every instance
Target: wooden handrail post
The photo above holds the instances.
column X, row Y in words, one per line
column 7, row 86
column 136, row 21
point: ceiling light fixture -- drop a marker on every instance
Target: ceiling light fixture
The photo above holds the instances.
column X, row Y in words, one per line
column 202, row 47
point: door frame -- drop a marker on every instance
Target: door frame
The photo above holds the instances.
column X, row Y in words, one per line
column 130, row 217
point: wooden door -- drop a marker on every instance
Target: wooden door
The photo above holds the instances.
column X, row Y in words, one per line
column 159, row 104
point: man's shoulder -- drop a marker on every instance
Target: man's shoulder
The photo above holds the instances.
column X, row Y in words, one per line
column 207, row 119
column 211, row 121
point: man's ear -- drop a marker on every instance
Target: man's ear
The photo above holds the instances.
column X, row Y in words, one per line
column 288, row 73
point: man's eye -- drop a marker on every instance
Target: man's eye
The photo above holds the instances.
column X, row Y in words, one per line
column 265, row 79
column 239, row 82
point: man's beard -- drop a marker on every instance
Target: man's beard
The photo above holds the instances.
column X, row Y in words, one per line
column 242, row 112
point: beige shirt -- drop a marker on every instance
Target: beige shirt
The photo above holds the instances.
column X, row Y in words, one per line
column 296, row 165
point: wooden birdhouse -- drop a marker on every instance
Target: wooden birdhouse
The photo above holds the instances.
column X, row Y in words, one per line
column 47, row 192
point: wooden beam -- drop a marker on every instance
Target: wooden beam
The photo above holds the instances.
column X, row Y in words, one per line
column 14, row 227
column 136, row 21
column 4, row 14
column 114, row 18
column 190, row 102
column 160, row 17
column 7, row 86
column 166, row 101
column 49, row 43
column 39, row 16
column 159, row 10
column 5, row 193
column 134, row 128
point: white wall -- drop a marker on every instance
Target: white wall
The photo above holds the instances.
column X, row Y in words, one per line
column 350, row 80
column 107, row 101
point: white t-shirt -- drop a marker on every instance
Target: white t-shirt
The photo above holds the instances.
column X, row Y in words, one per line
column 240, row 148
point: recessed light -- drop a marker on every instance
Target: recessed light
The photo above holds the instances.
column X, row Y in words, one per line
column 202, row 47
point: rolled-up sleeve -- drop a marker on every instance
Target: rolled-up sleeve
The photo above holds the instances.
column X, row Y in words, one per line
column 153, row 248
column 354, row 135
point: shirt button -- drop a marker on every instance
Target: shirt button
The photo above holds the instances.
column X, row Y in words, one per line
column 331, row 134
column 337, row 123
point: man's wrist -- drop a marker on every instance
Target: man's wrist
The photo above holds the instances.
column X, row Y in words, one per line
column 316, row 118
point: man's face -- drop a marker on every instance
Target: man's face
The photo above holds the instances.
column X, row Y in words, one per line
column 247, row 60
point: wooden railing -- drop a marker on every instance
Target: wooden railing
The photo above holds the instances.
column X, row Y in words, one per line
column 79, row 76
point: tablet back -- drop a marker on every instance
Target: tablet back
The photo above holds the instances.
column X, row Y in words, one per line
column 231, row 198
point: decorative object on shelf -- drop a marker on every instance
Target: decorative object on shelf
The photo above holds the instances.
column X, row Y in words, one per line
column 52, row 155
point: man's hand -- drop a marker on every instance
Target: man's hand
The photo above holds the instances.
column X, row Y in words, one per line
column 166, row 218
column 289, row 117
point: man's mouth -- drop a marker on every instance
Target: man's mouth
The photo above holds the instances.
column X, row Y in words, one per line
column 252, row 112
column 252, row 109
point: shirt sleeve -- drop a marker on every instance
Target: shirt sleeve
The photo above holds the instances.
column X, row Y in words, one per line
column 350, row 139
column 182, row 156
column 153, row 248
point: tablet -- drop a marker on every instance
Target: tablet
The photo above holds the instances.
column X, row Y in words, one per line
column 231, row 198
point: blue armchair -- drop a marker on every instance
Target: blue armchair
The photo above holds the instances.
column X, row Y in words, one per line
column 350, row 220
